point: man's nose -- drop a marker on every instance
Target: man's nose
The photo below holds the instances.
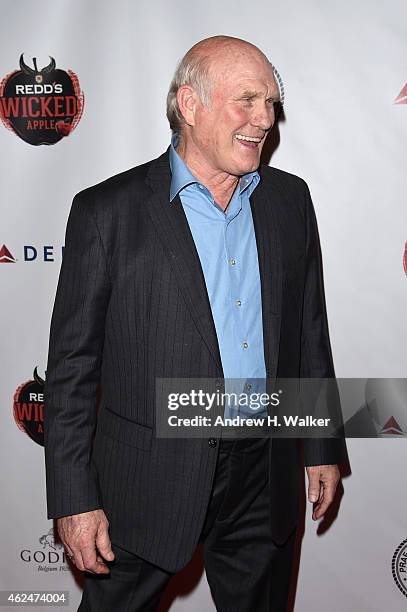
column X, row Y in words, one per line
column 263, row 116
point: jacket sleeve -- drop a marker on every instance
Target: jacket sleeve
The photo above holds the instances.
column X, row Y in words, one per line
column 73, row 367
column 316, row 355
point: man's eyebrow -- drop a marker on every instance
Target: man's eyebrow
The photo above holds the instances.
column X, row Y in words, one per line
column 248, row 93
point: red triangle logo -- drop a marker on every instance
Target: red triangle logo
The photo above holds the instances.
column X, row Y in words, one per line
column 6, row 256
column 402, row 97
column 391, row 427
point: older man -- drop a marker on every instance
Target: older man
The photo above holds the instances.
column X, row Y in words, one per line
column 201, row 263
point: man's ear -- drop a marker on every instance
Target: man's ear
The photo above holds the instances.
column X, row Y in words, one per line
column 187, row 102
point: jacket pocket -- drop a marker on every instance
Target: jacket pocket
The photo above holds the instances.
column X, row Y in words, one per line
column 124, row 430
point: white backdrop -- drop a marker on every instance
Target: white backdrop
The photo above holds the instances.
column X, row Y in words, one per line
column 343, row 65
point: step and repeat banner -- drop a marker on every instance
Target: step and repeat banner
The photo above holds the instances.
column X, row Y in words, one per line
column 83, row 90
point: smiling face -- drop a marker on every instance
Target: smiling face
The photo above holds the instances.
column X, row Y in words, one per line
column 229, row 134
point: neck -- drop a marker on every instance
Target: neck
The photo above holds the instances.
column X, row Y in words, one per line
column 220, row 184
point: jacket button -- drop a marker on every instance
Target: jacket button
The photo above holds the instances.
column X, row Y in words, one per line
column 212, row 442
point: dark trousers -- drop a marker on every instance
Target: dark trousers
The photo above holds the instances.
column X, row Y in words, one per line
column 245, row 570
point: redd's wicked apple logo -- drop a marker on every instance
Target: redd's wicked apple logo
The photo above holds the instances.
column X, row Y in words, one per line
column 42, row 105
column 28, row 408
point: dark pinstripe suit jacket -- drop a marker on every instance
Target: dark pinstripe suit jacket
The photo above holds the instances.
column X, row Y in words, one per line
column 131, row 305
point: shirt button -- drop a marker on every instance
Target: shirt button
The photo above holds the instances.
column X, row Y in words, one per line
column 247, row 387
column 212, row 442
column 238, row 303
column 201, row 187
column 245, row 345
column 232, row 261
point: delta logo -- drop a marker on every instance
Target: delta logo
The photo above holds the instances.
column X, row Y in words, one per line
column 41, row 106
column 391, row 428
column 28, row 408
column 6, row 256
column 30, row 253
column 402, row 97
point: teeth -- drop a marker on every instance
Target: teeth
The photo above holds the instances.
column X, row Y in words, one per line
column 248, row 138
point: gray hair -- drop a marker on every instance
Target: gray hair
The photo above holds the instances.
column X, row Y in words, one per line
column 195, row 70
column 192, row 70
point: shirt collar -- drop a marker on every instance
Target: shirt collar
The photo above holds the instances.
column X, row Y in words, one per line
column 181, row 176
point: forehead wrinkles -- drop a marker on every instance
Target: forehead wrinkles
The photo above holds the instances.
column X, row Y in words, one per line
column 235, row 70
column 232, row 87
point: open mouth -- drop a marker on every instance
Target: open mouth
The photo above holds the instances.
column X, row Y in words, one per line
column 248, row 141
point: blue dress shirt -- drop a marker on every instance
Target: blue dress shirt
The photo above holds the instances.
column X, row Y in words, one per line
column 226, row 245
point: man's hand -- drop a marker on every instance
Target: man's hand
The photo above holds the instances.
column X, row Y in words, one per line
column 86, row 540
column 322, row 483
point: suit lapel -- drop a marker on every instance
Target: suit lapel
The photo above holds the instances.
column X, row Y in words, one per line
column 263, row 205
column 173, row 229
